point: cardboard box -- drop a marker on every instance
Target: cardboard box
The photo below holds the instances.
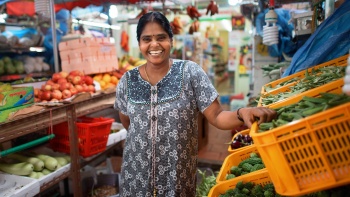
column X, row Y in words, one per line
column 16, row 97
column 4, row 114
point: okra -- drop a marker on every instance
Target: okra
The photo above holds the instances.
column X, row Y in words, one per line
column 314, row 100
column 315, row 110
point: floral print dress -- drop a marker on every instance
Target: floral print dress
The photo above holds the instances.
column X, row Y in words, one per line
column 160, row 154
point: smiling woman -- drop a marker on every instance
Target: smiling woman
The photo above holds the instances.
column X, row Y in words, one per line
column 158, row 104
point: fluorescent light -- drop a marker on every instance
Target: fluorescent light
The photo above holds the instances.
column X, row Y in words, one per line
column 113, row 11
column 37, row 49
column 93, row 24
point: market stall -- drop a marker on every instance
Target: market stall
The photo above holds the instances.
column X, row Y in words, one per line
column 58, row 88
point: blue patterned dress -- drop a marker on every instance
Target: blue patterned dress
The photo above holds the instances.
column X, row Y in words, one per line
column 160, row 156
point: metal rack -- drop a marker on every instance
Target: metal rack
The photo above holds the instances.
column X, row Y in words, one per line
column 44, row 119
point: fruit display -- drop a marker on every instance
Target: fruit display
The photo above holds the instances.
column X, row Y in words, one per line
column 106, row 80
column 32, row 165
column 11, row 66
column 129, row 62
column 305, row 107
column 176, row 25
column 241, row 140
column 64, row 85
column 192, row 12
column 315, row 78
column 251, row 164
column 212, row 8
column 194, row 27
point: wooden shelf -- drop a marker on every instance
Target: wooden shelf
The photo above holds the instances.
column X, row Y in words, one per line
column 54, row 115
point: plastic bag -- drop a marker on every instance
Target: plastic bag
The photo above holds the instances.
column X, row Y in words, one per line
column 331, row 40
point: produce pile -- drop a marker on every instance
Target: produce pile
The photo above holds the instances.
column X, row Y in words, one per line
column 252, row 164
column 241, row 140
column 32, row 165
column 311, row 80
column 64, row 85
column 273, row 71
column 11, row 66
column 249, row 189
column 207, row 182
column 307, row 106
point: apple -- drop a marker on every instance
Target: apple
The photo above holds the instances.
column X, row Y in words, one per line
column 61, row 80
column 85, row 88
column 64, row 86
column 88, row 80
column 63, row 74
column 40, row 92
column 77, row 80
column 46, row 95
column 66, row 94
column 36, row 92
column 55, row 86
column 56, row 94
column 76, row 73
column 79, row 88
column 50, row 82
column 56, row 77
column 73, row 90
column 36, row 100
column 70, row 78
column 48, row 87
column 54, row 100
column 91, row 88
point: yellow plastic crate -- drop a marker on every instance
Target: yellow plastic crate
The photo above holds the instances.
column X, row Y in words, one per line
column 233, row 160
column 333, row 87
column 261, row 177
column 301, row 74
column 244, row 132
column 307, row 155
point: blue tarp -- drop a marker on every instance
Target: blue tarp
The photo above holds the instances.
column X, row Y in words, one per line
column 331, row 40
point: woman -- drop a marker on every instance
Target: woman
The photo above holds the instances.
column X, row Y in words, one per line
column 158, row 104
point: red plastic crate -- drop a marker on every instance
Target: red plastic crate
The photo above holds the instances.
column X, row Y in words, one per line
column 92, row 135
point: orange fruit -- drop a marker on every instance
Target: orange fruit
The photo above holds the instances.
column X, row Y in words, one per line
column 106, row 78
column 114, row 79
column 98, row 77
column 102, row 84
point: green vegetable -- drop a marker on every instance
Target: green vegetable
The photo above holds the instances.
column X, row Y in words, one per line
column 37, row 163
column 240, row 185
column 230, row 176
column 307, row 106
column 257, row 167
column 23, row 168
column 247, row 167
column 205, row 185
column 236, row 170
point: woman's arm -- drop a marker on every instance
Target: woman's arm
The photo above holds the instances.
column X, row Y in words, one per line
column 226, row 120
column 125, row 120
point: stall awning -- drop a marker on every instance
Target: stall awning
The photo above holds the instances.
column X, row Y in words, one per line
column 26, row 7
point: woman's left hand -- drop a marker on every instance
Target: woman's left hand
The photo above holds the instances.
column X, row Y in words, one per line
column 260, row 114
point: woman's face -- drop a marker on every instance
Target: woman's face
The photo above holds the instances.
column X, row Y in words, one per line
column 155, row 44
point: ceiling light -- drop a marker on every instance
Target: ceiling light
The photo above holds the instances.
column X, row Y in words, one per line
column 234, row 2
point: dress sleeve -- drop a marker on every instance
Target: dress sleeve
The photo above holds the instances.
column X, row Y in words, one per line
column 204, row 91
column 120, row 103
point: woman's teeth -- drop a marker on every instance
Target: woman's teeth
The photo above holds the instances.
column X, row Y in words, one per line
column 155, row 52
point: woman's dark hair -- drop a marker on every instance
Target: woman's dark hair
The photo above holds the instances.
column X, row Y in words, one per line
column 153, row 17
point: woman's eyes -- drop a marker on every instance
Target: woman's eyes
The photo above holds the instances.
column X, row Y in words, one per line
column 149, row 39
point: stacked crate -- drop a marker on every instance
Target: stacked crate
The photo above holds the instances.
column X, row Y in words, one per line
column 89, row 55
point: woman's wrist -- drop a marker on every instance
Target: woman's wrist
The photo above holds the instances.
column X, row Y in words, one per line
column 239, row 117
